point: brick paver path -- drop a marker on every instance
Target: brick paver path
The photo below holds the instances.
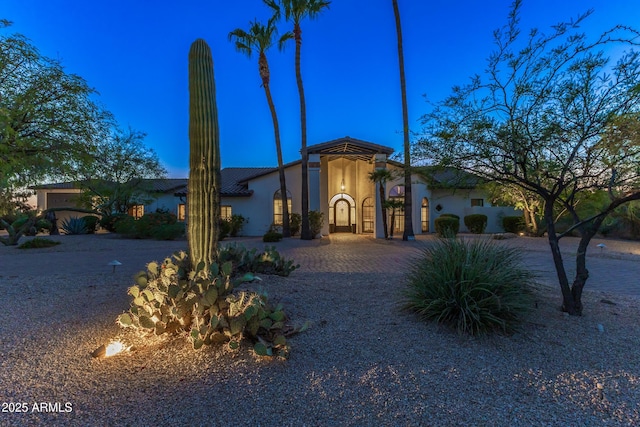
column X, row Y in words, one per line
column 615, row 268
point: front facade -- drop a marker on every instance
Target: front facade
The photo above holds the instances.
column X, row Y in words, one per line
column 339, row 187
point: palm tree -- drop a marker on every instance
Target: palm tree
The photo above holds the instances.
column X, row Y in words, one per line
column 380, row 177
column 395, row 205
column 408, row 217
column 295, row 11
column 259, row 39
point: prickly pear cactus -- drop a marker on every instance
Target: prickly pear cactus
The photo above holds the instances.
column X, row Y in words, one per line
column 204, row 159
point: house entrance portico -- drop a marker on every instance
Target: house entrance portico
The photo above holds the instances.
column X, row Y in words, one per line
column 339, row 184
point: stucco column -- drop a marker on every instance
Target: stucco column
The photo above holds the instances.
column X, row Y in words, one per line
column 314, row 182
column 324, row 197
column 380, row 163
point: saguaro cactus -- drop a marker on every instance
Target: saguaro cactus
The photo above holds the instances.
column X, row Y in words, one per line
column 204, row 158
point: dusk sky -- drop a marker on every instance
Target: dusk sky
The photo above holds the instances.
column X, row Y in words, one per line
column 134, row 53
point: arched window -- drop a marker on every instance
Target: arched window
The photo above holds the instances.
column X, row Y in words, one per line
column 277, row 206
column 367, row 215
column 424, row 215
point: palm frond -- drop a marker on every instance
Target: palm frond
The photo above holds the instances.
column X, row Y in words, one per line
column 282, row 41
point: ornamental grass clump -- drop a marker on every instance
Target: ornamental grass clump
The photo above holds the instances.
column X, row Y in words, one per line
column 473, row 286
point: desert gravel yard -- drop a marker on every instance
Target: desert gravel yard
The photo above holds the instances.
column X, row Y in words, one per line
column 362, row 362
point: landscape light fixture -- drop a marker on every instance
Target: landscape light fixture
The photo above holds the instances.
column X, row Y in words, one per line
column 111, row 349
column 114, row 264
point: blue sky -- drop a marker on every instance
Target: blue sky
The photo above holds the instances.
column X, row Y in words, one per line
column 134, row 53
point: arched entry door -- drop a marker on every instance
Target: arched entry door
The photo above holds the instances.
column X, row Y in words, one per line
column 342, row 215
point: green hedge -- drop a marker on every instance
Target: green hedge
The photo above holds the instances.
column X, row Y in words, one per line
column 513, row 224
column 447, row 225
column 272, row 236
column 476, row 223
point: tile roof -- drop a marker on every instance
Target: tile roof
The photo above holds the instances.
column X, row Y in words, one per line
column 155, row 185
column 56, row 186
column 447, row 177
column 234, row 181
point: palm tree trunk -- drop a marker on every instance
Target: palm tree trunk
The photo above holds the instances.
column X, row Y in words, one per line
column 264, row 67
column 408, row 212
column 383, row 210
column 305, row 232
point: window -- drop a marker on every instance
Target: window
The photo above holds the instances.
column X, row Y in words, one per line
column 182, row 212
column 424, row 215
column 367, row 215
column 136, row 211
column 396, row 197
column 398, row 223
column 397, row 192
column 277, row 206
column 477, row 202
column 225, row 212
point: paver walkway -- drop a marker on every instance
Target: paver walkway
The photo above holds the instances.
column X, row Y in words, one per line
column 615, row 268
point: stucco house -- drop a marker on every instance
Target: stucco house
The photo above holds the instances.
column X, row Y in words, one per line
column 339, row 187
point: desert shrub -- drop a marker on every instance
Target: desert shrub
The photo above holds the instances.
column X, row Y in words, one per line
column 225, row 228
column 169, row 298
column 268, row 261
column 9, row 218
column 168, row 231
column 623, row 222
column 16, row 230
column 163, row 216
column 43, row 225
column 271, row 236
column 316, row 219
column 91, row 222
column 475, row 287
column 37, row 227
column 38, row 242
column 74, row 225
column 126, row 226
column 237, row 222
column 294, row 223
column 20, row 221
column 160, row 225
column 108, row 222
column 144, row 225
column 476, row 223
column 447, row 225
column 513, row 224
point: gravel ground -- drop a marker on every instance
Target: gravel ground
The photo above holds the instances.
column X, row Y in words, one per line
column 363, row 362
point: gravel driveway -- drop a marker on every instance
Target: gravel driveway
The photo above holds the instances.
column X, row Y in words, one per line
column 363, row 362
